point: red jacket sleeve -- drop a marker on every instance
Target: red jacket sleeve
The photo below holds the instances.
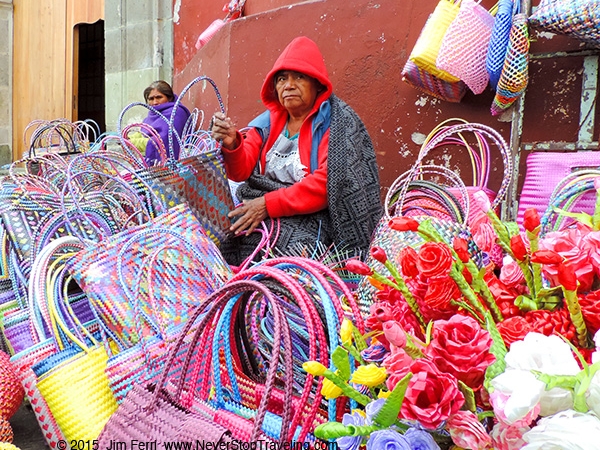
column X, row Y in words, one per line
column 240, row 162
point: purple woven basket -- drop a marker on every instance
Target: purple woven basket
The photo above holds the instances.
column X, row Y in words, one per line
column 546, row 170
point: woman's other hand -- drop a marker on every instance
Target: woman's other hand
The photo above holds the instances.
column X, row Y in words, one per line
column 250, row 213
column 224, row 130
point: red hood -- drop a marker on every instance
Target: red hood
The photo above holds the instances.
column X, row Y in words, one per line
column 301, row 55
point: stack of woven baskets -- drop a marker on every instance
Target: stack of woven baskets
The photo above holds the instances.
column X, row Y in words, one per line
column 11, row 397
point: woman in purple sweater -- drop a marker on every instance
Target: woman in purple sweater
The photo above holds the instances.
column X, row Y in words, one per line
column 160, row 96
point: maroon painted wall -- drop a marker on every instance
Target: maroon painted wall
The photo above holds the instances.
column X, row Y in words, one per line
column 365, row 44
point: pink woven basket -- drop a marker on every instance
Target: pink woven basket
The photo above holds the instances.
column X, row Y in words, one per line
column 465, row 46
column 546, row 170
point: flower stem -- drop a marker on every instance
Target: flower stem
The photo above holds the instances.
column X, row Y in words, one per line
column 347, row 390
column 577, row 318
column 484, row 290
column 400, row 285
column 466, row 290
column 535, row 267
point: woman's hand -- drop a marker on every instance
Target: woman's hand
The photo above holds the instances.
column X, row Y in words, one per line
column 224, row 130
column 250, row 213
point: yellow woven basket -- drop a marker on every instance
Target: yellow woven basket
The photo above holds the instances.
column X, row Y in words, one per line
column 76, row 388
column 425, row 52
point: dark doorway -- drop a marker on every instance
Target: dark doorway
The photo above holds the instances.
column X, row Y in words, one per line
column 90, row 79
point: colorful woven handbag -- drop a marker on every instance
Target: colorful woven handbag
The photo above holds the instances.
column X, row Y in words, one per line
column 119, row 258
column 464, row 46
column 425, row 52
column 450, row 91
column 515, row 71
column 496, row 53
column 160, row 416
column 579, row 19
column 547, row 171
column 576, row 194
column 475, row 138
column 198, row 180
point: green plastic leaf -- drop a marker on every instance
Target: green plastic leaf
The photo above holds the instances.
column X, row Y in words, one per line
column 359, row 340
column 524, row 303
column 512, row 227
column 342, row 362
column 469, row 395
column 498, row 349
column 388, row 414
column 334, row 430
column 584, row 218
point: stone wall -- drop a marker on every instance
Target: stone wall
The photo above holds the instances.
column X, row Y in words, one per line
column 139, row 50
column 6, row 49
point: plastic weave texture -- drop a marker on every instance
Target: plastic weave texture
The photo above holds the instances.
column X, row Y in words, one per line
column 515, row 72
column 450, row 91
column 425, row 52
column 576, row 18
column 546, row 170
column 465, row 44
column 494, row 60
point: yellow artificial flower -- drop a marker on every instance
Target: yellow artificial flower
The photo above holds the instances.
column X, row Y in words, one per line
column 330, row 390
column 369, row 375
column 346, row 331
column 314, row 368
column 383, row 394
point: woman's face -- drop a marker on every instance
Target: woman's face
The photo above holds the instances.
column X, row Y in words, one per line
column 156, row 98
column 296, row 91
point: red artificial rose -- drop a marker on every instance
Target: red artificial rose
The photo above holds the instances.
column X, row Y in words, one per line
column 552, row 322
column 408, row 262
column 518, row 247
column 431, row 396
column 546, row 257
column 531, row 219
column 379, row 254
column 436, row 302
column 382, row 311
column 397, row 365
column 435, row 259
column 389, row 294
column 590, row 308
column 403, row 224
column 358, row 267
column 462, row 249
column 461, row 347
column 566, row 277
column 513, row 329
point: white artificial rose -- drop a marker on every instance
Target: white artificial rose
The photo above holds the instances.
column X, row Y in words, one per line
column 522, row 391
column 596, row 354
column 547, row 354
column 567, row 430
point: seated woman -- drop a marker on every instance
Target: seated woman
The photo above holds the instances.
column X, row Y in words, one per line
column 160, row 96
column 307, row 161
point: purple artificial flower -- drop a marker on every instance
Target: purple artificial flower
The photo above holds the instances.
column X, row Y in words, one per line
column 421, row 440
column 372, row 409
column 387, row 440
column 351, row 442
column 375, row 353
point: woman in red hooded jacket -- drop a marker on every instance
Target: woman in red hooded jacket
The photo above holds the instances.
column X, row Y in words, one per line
column 307, row 161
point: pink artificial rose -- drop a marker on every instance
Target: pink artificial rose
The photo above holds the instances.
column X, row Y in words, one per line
column 397, row 364
column 508, row 437
column 591, row 243
column 394, row 333
column 431, row 396
column 512, row 275
column 570, row 245
column 467, row 432
column 462, row 348
column 485, row 237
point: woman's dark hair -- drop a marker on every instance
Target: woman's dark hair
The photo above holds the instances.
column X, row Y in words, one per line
column 161, row 86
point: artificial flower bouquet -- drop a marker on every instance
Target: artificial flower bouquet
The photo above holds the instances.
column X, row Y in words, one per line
column 497, row 353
